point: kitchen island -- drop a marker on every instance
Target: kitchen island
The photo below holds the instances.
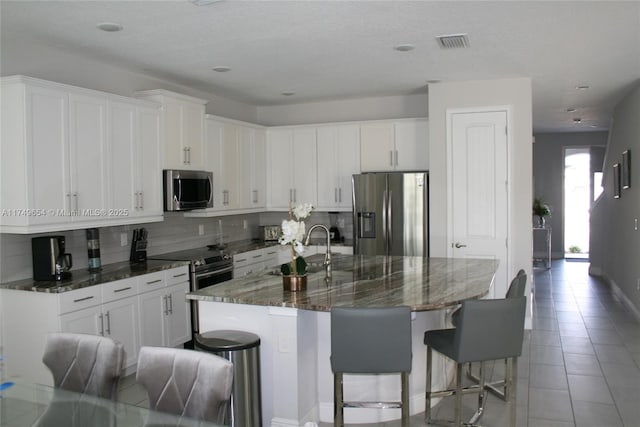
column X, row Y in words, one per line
column 294, row 327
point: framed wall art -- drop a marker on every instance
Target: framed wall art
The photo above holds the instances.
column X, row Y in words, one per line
column 626, row 169
column 616, row 181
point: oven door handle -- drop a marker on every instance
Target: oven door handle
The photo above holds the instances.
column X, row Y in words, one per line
column 199, row 276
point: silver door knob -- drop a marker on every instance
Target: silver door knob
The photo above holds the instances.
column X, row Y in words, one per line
column 459, row 245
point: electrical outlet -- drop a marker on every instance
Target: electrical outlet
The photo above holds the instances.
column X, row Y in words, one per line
column 635, row 224
column 124, row 239
column 200, row 229
column 245, row 224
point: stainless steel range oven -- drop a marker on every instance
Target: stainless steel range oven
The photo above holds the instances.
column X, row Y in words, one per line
column 208, row 267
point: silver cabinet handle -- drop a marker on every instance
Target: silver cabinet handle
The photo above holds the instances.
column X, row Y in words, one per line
column 396, row 157
column 83, row 299
column 75, row 200
column 459, row 245
column 141, row 201
column 166, row 305
column 154, row 281
column 255, row 196
column 340, row 194
column 291, row 195
column 295, row 195
column 121, row 289
column 108, row 316
column 101, row 324
column 170, row 299
column 335, row 194
column 69, row 201
column 184, row 156
column 390, row 157
column 179, row 275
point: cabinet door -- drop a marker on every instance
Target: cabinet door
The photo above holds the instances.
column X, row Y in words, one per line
column 230, row 160
column 258, row 169
column 174, row 153
column 123, row 193
column 47, row 132
column 153, row 310
column 193, row 134
column 377, row 151
column 304, row 166
column 327, row 159
column 121, row 324
column 178, row 320
column 214, row 132
column 87, row 321
column 411, row 141
column 87, row 149
column 280, row 156
column 149, row 163
column 348, row 163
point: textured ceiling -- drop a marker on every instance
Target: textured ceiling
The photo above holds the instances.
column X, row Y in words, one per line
column 326, row 50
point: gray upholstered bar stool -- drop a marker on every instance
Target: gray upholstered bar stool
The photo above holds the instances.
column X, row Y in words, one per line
column 370, row 341
column 487, row 330
column 499, row 388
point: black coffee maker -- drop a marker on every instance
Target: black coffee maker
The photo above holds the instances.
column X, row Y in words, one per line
column 50, row 262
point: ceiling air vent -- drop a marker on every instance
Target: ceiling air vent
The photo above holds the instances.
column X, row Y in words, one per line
column 453, row 41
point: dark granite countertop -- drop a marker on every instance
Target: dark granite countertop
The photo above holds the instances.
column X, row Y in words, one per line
column 83, row 279
column 365, row 281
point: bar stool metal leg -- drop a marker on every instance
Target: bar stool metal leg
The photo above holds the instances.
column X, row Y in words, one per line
column 404, row 378
column 338, row 400
column 427, row 403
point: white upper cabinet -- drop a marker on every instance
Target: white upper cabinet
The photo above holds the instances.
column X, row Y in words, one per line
column 183, row 118
column 235, row 154
column 71, row 158
column 394, row 145
column 134, row 159
column 291, row 166
column 338, row 159
column 253, row 174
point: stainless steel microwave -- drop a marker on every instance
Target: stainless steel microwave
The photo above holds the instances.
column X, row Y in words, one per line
column 186, row 190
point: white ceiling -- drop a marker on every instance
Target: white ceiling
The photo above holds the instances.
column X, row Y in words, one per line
column 327, row 50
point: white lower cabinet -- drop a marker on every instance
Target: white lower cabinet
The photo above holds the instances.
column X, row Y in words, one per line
column 164, row 314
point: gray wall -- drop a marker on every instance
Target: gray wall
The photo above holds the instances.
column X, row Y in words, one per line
column 615, row 239
column 548, row 171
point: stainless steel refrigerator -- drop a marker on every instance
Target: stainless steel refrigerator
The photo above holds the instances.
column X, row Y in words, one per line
column 391, row 213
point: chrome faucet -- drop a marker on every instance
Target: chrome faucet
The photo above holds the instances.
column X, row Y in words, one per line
column 327, row 255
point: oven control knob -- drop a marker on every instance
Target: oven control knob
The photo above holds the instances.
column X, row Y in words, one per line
column 226, row 257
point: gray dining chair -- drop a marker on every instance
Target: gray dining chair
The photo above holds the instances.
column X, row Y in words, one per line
column 370, row 341
column 487, row 330
column 85, row 363
column 188, row 383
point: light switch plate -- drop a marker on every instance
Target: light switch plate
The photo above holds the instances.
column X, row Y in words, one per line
column 124, row 239
column 200, row 229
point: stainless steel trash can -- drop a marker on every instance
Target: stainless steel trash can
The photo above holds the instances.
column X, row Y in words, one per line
column 243, row 350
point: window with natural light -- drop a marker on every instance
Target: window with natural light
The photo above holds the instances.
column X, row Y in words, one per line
column 577, row 200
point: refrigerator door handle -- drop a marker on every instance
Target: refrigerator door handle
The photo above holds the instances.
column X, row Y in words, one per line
column 390, row 221
column 384, row 221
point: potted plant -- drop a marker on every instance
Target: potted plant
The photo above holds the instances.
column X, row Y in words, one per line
column 293, row 232
column 541, row 210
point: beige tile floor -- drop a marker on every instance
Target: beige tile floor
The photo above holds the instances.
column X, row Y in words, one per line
column 580, row 364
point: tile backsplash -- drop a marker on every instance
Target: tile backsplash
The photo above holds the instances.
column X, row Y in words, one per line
column 173, row 234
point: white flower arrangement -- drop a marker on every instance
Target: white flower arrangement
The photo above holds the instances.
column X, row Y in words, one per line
column 293, row 232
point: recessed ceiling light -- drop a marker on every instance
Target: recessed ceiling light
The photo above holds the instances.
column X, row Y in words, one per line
column 577, row 120
column 571, row 110
column 582, row 87
column 407, row 47
column 288, row 92
column 221, row 69
column 110, row 27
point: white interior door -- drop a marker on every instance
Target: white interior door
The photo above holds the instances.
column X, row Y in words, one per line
column 478, row 189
